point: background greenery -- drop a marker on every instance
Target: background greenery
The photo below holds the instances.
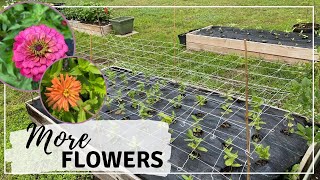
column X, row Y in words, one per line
column 280, row 19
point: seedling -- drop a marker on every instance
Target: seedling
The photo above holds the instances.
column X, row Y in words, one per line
column 197, row 130
column 185, row 177
column 135, row 103
column 121, row 110
column 108, row 101
column 140, row 86
column 111, row 76
column 306, row 133
column 194, row 143
column 176, row 102
column 201, row 100
column 151, row 98
column 132, row 94
column 290, row 121
column 230, row 157
column 123, row 78
column 166, row 118
column 182, row 89
column 119, row 96
column 226, row 108
column 254, row 115
column 227, row 143
column 228, row 95
column 144, row 111
column 263, row 152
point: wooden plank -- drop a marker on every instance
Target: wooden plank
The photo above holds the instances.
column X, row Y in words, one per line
column 265, row 48
column 223, row 50
column 91, row 28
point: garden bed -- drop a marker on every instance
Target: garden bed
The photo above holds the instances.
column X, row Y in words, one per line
column 217, row 126
column 94, row 29
column 271, row 45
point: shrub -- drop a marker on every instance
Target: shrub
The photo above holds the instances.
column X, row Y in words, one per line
column 88, row 15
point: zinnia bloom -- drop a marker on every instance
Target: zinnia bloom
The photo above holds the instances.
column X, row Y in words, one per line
column 63, row 92
column 36, row 48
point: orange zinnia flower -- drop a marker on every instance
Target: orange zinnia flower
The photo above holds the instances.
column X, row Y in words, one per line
column 63, row 92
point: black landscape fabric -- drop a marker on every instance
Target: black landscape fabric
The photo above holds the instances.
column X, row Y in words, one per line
column 285, row 150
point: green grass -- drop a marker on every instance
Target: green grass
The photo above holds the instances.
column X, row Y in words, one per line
column 158, row 24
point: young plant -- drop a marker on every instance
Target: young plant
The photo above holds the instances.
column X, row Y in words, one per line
column 226, row 108
column 121, row 110
column 185, row 177
column 108, row 101
column 177, row 101
column 119, row 96
column 290, row 121
column 144, row 111
column 166, row 118
column 254, row 115
column 182, row 89
column 201, row 100
column 111, row 76
column 230, row 157
column 194, row 143
column 306, row 133
column 228, row 142
column 263, row 152
column 228, row 95
column 132, row 94
column 197, row 130
column 135, row 103
column 124, row 79
column 140, row 86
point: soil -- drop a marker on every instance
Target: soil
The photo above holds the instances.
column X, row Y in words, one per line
column 305, row 27
column 225, row 125
column 261, row 162
column 198, row 134
column 285, row 132
column 256, row 138
column 285, row 150
column 316, row 175
column 262, row 36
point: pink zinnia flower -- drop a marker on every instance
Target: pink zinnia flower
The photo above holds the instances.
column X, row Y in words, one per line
column 36, row 48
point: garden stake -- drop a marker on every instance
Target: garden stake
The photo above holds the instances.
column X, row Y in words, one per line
column 247, row 109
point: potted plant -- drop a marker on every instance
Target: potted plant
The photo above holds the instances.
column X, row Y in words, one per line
column 122, row 25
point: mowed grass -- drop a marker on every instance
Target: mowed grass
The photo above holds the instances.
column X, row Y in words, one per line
column 162, row 25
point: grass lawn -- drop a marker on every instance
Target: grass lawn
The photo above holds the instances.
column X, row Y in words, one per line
column 158, row 24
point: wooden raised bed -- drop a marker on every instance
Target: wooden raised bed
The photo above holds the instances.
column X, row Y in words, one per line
column 275, row 52
column 42, row 118
column 90, row 28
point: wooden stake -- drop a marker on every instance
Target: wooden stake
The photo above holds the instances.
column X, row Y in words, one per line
column 247, row 109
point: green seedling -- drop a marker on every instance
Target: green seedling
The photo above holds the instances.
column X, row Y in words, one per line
column 166, row 118
column 228, row 95
column 292, row 176
column 201, row 100
column 144, row 111
column 132, row 94
column 196, row 128
column 121, row 110
column 119, row 96
column 135, row 103
column 123, row 78
column 228, row 142
column 111, row 76
column 263, row 152
column 226, row 108
column 254, row 115
column 108, row 101
column 256, row 121
column 306, row 133
column 194, row 143
column 182, row 88
column 140, row 86
column 230, row 157
column 290, row 121
column 177, row 101
column 185, row 177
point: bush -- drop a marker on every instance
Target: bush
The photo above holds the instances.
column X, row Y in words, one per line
column 88, row 15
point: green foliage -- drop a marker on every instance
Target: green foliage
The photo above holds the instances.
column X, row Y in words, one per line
column 166, row 118
column 257, row 122
column 132, row 94
column 124, row 79
column 228, row 95
column 140, row 86
column 295, row 168
column 121, row 110
column 194, row 143
column 227, row 109
column 93, row 88
column 90, row 15
column 111, row 76
column 196, row 127
column 290, row 121
column 14, row 20
column 144, row 111
column 230, row 157
column 306, row 133
column 182, row 88
column 185, row 177
column 263, row 152
column 177, row 101
column 201, row 100
column 228, row 142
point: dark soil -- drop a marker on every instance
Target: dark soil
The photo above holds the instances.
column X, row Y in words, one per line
column 264, row 36
column 261, row 162
column 225, row 125
column 256, row 138
column 198, row 134
column 285, row 132
column 305, row 27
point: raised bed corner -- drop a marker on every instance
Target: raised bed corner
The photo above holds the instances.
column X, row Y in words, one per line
column 91, row 28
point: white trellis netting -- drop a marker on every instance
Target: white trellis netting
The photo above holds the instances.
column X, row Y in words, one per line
column 151, row 61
